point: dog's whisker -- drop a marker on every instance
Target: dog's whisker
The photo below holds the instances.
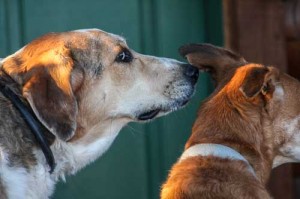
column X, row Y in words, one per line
column 133, row 130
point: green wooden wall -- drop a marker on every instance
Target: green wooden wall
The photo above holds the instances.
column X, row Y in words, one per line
column 138, row 161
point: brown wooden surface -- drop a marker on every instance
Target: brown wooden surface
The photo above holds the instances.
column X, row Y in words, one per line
column 281, row 184
column 292, row 22
column 293, row 49
column 292, row 19
column 256, row 29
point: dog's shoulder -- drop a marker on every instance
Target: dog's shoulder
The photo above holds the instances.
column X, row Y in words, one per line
column 212, row 177
column 16, row 149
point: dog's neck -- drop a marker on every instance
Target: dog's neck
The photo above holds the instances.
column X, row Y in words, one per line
column 261, row 164
column 37, row 129
column 75, row 155
column 216, row 150
column 71, row 156
column 235, row 129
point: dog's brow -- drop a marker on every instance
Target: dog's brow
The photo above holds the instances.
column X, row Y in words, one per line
column 121, row 40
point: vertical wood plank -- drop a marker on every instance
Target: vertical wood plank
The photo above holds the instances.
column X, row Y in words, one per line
column 293, row 49
column 281, row 183
column 255, row 29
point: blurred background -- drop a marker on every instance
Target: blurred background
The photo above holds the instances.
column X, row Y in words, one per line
column 265, row 31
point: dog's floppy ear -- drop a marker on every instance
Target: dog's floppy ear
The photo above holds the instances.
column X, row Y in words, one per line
column 260, row 80
column 215, row 60
column 46, row 80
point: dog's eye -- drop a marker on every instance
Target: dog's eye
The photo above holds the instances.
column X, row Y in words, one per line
column 124, row 56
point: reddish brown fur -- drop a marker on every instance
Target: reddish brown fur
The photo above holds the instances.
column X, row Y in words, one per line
column 211, row 177
column 236, row 123
column 239, row 114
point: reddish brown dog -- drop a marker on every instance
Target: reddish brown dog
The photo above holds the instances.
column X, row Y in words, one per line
column 249, row 124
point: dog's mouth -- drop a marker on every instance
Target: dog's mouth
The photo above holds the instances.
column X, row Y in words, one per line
column 172, row 104
column 149, row 114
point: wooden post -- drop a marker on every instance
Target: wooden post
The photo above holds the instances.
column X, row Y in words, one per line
column 254, row 28
column 292, row 23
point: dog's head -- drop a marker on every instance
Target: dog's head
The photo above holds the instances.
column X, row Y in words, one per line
column 257, row 97
column 241, row 82
column 79, row 80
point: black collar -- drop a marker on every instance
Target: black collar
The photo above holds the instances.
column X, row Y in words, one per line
column 34, row 124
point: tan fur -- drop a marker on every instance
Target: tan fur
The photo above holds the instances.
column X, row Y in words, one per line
column 244, row 112
column 81, row 91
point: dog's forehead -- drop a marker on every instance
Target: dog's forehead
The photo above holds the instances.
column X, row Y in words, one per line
column 101, row 35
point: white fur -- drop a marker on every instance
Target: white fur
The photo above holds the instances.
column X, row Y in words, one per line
column 290, row 151
column 166, row 62
column 279, row 160
column 279, row 92
column 85, row 30
column 88, row 31
column 40, row 184
column 75, row 156
column 86, row 154
column 70, row 157
column 12, row 55
column 15, row 178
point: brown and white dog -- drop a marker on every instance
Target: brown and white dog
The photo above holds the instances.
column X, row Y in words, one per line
column 83, row 86
column 249, row 124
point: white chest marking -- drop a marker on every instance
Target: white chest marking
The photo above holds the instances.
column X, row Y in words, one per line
column 14, row 179
column 87, row 154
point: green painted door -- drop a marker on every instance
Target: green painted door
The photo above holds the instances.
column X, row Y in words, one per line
column 138, row 161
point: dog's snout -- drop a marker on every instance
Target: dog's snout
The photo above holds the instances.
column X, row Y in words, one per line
column 191, row 72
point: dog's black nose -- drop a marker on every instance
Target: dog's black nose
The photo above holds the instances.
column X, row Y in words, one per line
column 191, row 72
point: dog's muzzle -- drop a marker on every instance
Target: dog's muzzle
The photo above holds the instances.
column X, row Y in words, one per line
column 191, row 75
